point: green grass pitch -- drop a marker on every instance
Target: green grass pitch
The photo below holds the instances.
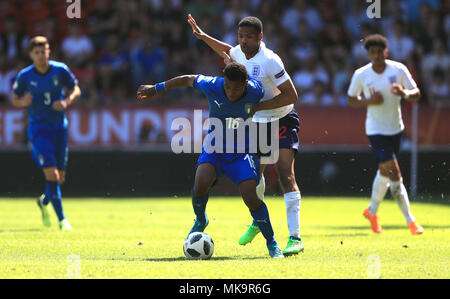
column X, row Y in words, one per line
column 143, row 238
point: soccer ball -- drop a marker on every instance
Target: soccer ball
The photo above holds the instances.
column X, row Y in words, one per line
column 198, row 246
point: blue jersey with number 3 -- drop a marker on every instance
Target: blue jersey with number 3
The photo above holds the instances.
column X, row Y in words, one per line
column 46, row 89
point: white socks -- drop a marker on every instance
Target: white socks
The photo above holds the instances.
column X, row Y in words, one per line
column 400, row 195
column 292, row 201
column 398, row 191
column 379, row 189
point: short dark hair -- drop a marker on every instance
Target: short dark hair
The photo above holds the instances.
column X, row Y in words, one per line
column 375, row 40
column 236, row 72
column 38, row 41
column 252, row 22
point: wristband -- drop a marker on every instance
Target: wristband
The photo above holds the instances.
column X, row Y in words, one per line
column 160, row 87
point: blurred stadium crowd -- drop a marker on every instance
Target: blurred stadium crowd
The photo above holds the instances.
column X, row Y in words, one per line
column 119, row 44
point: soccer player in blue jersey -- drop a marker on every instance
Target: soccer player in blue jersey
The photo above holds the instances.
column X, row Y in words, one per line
column 46, row 88
column 231, row 102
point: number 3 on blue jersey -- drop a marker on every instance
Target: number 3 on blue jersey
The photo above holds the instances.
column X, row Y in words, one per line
column 48, row 98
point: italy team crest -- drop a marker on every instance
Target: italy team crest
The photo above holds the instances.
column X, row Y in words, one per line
column 55, row 80
column 249, row 109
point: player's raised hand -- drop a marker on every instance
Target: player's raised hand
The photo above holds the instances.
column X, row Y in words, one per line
column 195, row 29
column 397, row 90
column 376, row 98
column 60, row 105
column 145, row 92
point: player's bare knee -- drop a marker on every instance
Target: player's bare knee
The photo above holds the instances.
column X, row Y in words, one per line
column 51, row 174
column 201, row 188
column 253, row 203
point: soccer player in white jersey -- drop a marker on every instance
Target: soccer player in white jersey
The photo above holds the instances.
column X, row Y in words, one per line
column 277, row 105
column 384, row 83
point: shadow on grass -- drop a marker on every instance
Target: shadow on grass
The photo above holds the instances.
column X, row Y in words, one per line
column 24, row 230
column 335, row 235
column 367, row 228
column 183, row 259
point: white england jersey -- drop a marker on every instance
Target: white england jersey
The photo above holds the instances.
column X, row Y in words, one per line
column 385, row 119
column 266, row 67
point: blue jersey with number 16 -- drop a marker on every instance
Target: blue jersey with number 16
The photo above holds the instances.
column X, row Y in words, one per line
column 46, row 89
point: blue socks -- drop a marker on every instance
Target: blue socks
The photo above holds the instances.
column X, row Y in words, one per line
column 53, row 195
column 261, row 218
column 199, row 205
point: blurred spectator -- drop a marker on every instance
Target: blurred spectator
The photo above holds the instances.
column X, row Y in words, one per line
column 439, row 58
column 299, row 11
column 305, row 79
column 148, row 62
column 113, row 66
column 303, row 48
column 102, row 22
column 317, row 96
column 234, row 13
column 413, row 7
column 439, row 91
column 77, row 47
column 12, row 41
column 400, row 44
column 7, row 77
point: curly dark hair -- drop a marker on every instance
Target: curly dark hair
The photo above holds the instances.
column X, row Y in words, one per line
column 235, row 72
column 375, row 40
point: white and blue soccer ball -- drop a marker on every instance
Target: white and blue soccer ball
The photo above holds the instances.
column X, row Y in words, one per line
column 198, row 246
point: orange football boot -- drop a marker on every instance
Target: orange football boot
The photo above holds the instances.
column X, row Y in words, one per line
column 415, row 228
column 373, row 219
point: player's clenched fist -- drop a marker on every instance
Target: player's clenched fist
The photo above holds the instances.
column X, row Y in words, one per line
column 60, row 105
column 145, row 92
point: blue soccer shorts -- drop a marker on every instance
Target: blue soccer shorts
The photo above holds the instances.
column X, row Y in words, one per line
column 237, row 167
column 49, row 147
column 385, row 147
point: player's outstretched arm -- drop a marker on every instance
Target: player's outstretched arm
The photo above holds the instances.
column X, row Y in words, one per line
column 74, row 94
column 22, row 102
column 287, row 97
column 145, row 92
column 218, row 46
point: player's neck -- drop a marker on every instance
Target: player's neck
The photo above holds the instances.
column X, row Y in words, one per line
column 42, row 69
column 380, row 68
column 250, row 56
column 253, row 54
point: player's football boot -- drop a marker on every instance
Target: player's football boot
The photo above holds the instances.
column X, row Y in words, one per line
column 64, row 225
column 415, row 228
column 44, row 211
column 274, row 250
column 250, row 234
column 294, row 246
column 373, row 219
column 199, row 226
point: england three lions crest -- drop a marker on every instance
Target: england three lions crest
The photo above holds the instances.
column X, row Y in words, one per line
column 393, row 79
